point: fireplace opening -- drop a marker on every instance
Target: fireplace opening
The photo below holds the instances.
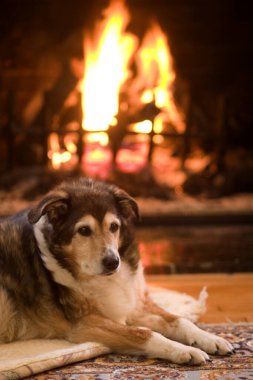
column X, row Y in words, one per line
column 155, row 97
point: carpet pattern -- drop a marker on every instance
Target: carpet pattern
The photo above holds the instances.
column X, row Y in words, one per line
column 121, row 367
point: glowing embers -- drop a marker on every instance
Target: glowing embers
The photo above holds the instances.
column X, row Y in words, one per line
column 133, row 154
column 62, row 150
column 97, row 155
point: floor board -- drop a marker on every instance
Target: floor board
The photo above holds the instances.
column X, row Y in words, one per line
column 230, row 295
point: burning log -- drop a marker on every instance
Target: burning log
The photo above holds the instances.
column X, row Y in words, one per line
column 125, row 118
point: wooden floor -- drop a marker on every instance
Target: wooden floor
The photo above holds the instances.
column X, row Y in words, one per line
column 230, row 296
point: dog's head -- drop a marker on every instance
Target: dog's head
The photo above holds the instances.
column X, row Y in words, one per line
column 83, row 225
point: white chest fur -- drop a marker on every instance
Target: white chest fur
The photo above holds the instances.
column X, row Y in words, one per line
column 118, row 295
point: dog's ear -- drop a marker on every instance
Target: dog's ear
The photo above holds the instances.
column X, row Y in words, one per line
column 54, row 205
column 127, row 205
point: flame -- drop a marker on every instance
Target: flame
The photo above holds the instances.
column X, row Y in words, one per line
column 156, row 74
column 107, row 53
column 62, row 156
column 99, row 137
column 144, row 126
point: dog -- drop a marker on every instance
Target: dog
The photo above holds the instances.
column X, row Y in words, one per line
column 70, row 269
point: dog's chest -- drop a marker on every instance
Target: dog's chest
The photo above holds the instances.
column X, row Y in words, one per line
column 117, row 296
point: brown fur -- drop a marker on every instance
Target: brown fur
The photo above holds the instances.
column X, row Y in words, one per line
column 119, row 338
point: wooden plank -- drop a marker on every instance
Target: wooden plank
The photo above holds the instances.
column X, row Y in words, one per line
column 230, row 295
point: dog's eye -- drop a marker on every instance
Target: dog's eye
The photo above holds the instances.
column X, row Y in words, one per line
column 84, row 231
column 114, row 227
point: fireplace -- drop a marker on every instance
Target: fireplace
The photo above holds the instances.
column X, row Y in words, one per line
column 111, row 89
column 165, row 96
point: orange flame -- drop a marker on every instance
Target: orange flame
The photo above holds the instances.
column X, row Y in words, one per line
column 107, row 55
column 106, row 67
column 157, row 76
column 62, row 156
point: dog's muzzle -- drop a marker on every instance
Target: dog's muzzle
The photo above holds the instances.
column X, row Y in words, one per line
column 110, row 262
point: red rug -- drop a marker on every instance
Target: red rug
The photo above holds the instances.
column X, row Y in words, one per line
column 121, row 367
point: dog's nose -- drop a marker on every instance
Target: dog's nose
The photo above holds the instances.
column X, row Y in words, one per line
column 110, row 262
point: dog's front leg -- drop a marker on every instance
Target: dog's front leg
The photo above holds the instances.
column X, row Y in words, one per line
column 134, row 340
column 180, row 329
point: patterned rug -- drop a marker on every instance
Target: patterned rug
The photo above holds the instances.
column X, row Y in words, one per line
column 121, row 367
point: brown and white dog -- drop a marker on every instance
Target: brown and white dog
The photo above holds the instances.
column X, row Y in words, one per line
column 69, row 268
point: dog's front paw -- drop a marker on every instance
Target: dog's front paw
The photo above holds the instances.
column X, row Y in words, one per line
column 159, row 347
column 213, row 344
column 189, row 355
column 188, row 333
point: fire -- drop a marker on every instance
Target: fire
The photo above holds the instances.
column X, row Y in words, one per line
column 109, row 51
column 157, row 76
column 62, row 155
column 107, row 56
